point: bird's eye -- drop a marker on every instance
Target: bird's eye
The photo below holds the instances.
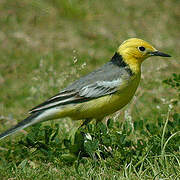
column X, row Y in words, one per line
column 141, row 48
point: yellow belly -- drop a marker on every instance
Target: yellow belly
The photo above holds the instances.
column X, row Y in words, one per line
column 103, row 106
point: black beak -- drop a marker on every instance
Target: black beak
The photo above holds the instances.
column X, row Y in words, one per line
column 158, row 53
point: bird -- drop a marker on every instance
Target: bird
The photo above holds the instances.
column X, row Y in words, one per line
column 99, row 93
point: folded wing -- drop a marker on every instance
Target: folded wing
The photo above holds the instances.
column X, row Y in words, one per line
column 87, row 93
column 99, row 83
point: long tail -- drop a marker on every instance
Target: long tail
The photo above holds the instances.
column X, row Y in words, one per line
column 21, row 125
column 32, row 119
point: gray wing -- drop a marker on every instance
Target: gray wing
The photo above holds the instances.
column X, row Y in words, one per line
column 101, row 82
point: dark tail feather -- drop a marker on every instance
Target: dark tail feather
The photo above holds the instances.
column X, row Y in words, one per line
column 21, row 125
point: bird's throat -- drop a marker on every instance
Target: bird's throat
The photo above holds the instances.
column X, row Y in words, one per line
column 134, row 64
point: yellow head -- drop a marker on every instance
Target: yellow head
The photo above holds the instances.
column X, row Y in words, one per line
column 134, row 51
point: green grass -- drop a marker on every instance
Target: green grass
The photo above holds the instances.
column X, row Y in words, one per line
column 45, row 45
